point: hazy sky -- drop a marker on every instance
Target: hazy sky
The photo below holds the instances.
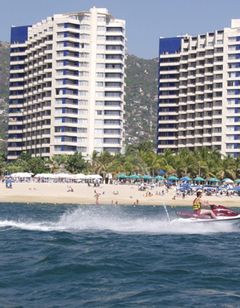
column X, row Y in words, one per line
column 146, row 20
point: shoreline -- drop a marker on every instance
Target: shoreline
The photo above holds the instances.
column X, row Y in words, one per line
column 106, row 194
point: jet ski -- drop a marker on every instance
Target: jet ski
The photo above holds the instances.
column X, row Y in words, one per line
column 223, row 215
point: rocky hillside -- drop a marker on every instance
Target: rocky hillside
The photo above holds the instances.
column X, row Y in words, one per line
column 4, row 71
column 141, row 97
column 141, row 100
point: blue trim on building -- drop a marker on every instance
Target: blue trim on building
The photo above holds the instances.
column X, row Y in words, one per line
column 166, row 46
column 19, row 34
column 157, row 132
column 169, row 45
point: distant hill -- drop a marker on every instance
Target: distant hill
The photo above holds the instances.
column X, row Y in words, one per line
column 4, row 72
column 141, row 97
column 141, row 100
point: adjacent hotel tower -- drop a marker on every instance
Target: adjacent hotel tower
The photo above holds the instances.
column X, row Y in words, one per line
column 67, row 85
column 199, row 92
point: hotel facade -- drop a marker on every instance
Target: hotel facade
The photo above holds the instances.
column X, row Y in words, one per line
column 67, row 77
column 199, row 92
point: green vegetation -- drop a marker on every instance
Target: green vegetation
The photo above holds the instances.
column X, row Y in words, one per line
column 4, row 73
column 139, row 159
column 141, row 100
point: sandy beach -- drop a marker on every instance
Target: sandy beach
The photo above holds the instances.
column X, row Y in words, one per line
column 60, row 193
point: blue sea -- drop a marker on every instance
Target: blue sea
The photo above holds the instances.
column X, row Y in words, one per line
column 114, row 256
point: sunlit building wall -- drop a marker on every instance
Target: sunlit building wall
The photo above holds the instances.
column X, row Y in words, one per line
column 67, row 77
column 199, row 92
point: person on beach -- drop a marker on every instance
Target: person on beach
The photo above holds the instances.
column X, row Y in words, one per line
column 198, row 203
column 97, row 195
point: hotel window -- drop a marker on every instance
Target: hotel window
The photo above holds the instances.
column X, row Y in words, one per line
column 98, row 149
column 98, row 141
column 82, row 102
column 85, row 27
column 101, row 28
column 82, row 112
column 82, row 93
column 83, row 83
column 99, row 103
column 82, row 122
column 112, row 140
column 99, row 122
column 83, row 55
column 100, row 46
column 81, row 140
column 100, row 56
column 81, row 149
column 100, row 37
column 100, row 65
column 99, row 94
column 82, row 130
column 84, row 36
column 112, row 131
column 98, row 131
column 101, row 18
column 100, row 74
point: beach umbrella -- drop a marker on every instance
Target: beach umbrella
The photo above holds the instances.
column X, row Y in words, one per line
column 79, row 176
column 213, row 180
column 122, row 176
column 161, row 172
column 227, row 180
column 159, row 178
column 63, row 175
column 22, row 175
column 172, row 178
column 186, row 178
column 199, row 179
column 45, row 175
column 133, row 177
column 93, row 177
column 146, row 177
column 38, row 175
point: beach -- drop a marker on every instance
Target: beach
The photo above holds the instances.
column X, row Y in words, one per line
column 105, row 194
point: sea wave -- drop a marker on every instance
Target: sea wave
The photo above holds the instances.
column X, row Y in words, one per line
column 115, row 220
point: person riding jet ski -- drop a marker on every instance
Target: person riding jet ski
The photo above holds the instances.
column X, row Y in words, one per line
column 198, row 203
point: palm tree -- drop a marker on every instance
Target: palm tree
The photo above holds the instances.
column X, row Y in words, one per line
column 57, row 163
column 182, row 162
column 134, row 164
column 76, row 163
column 101, row 163
column 169, row 157
column 227, row 168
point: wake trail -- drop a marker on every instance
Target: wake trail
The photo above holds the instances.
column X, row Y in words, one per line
column 114, row 220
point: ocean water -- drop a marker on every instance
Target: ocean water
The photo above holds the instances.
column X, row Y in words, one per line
column 114, row 256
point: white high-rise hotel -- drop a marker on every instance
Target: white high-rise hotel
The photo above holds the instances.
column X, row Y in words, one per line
column 199, row 91
column 67, row 85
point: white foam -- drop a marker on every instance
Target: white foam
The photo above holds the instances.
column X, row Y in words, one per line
column 27, row 225
column 115, row 220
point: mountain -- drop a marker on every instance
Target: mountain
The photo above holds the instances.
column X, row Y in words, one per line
column 141, row 100
column 141, row 97
column 4, row 71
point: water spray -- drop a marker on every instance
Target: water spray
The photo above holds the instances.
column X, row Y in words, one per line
column 167, row 214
